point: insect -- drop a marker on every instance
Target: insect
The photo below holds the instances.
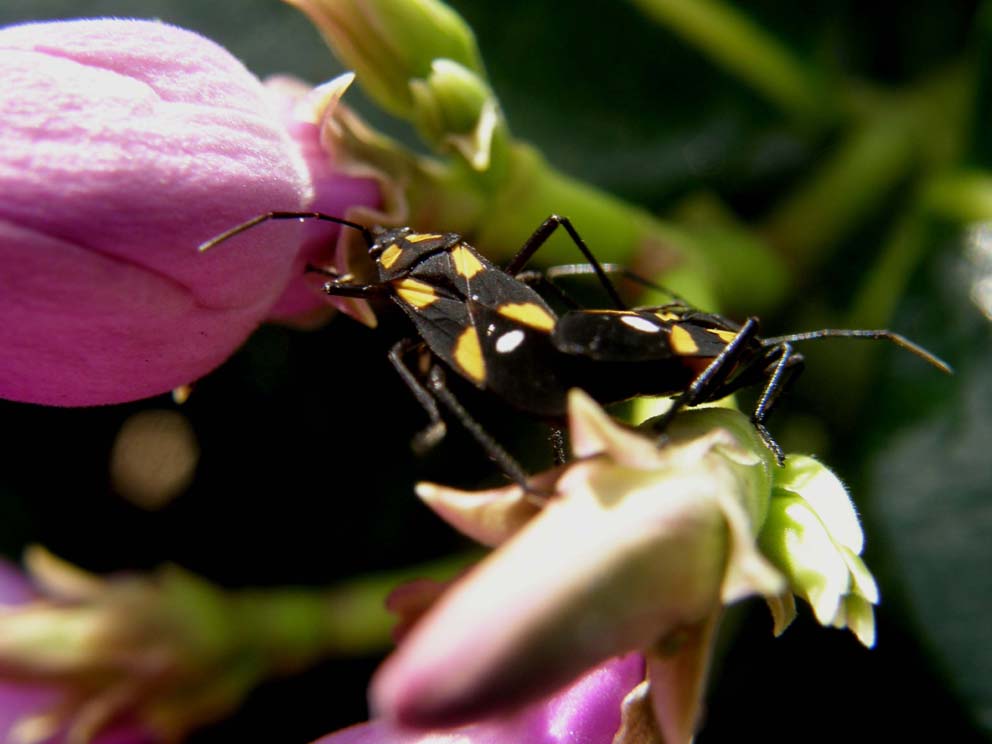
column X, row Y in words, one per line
column 676, row 350
column 492, row 327
column 480, row 321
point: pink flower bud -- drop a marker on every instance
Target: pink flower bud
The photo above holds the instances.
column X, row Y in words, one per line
column 124, row 145
column 639, row 549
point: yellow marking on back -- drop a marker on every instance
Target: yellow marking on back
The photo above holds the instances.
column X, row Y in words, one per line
column 420, row 237
column 529, row 314
column 389, row 256
column 416, row 293
column 468, row 355
column 727, row 336
column 667, row 315
column 682, row 341
column 466, row 264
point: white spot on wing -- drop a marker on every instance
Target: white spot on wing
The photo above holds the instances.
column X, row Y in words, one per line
column 640, row 324
column 509, row 341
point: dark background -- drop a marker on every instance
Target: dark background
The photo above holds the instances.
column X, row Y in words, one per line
column 306, row 472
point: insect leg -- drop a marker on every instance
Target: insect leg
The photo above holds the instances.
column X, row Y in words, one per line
column 540, row 237
column 787, row 368
column 547, row 280
column 510, row 467
column 435, row 431
column 711, row 378
column 553, row 273
column 535, row 278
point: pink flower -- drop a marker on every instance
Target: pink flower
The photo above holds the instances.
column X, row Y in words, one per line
column 588, row 711
column 20, row 702
column 639, row 549
column 125, row 144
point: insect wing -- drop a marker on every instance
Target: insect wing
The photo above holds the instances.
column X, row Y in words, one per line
column 439, row 315
column 635, row 335
column 611, row 335
column 521, row 364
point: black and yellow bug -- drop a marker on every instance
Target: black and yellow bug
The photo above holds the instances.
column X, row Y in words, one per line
column 479, row 320
column 491, row 327
column 676, row 350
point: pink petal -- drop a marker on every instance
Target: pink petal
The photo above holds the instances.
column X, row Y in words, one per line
column 334, row 194
column 585, row 712
column 125, row 145
column 15, row 588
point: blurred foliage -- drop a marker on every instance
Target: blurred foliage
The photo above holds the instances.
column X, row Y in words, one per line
column 845, row 145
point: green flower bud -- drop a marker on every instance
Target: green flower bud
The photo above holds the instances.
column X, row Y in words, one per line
column 813, row 536
column 455, row 109
column 388, row 43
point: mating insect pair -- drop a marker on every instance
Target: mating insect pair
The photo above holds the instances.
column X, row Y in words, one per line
column 490, row 326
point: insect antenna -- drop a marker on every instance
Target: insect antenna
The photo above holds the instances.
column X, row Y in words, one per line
column 366, row 233
column 895, row 338
column 570, row 270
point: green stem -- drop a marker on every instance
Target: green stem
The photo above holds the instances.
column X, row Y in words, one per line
column 962, row 196
column 297, row 627
column 744, row 49
column 875, row 156
column 892, row 134
column 886, row 281
column 873, row 307
column 498, row 215
column 533, row 189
